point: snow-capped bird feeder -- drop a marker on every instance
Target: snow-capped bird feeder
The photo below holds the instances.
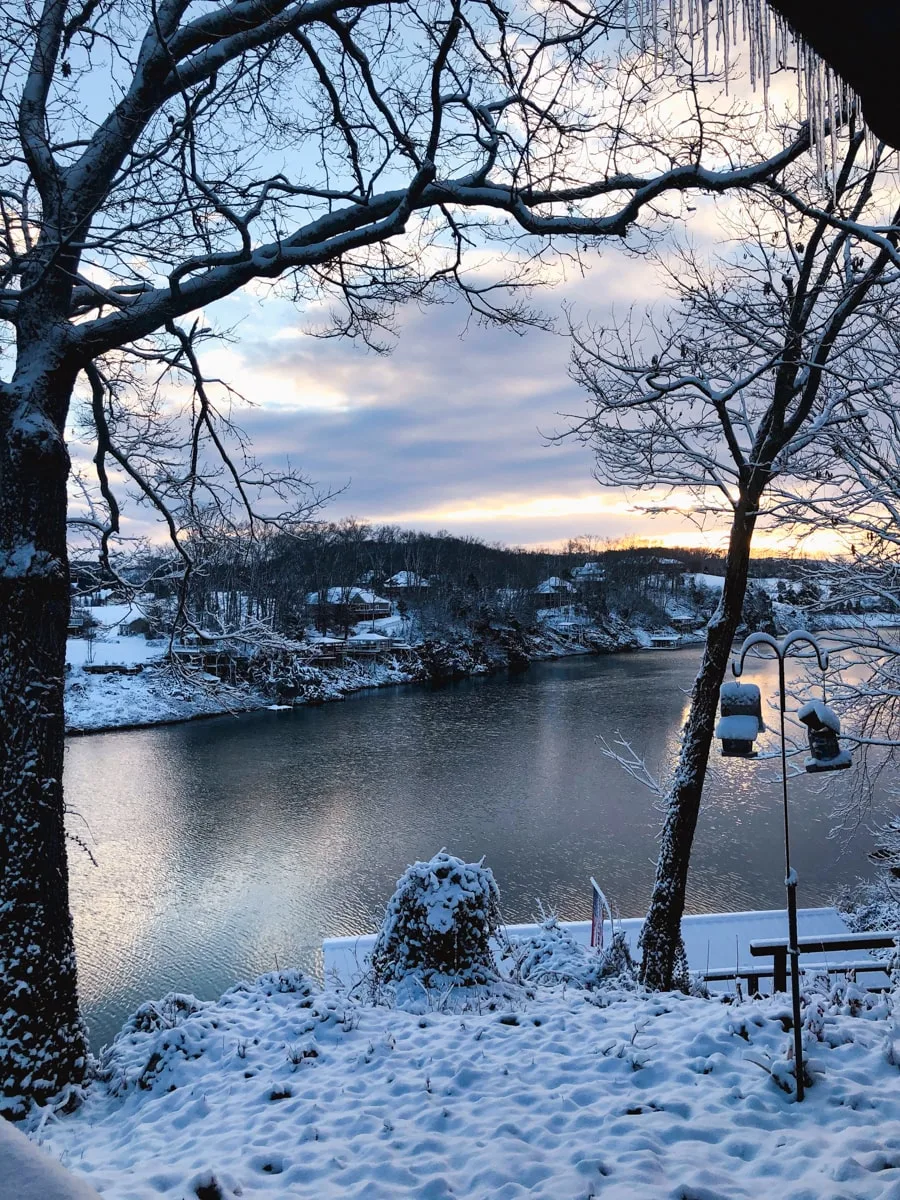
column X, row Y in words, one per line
column 741, row 721
column 822, row 728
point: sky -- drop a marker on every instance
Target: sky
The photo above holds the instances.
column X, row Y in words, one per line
column 449, row 431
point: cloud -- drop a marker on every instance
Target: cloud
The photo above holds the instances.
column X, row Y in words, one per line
column 451, row 429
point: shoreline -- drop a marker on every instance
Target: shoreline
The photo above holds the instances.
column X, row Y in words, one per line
column 500, row 650
column 334, row 685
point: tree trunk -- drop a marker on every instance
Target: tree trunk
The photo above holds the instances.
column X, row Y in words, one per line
column 42, row 1038
column 664, row 964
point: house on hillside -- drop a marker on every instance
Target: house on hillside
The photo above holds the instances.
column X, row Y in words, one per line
column 136, row 625
column 79, row 621
column 588, row 573
column 359, row 603
column 554, row 586
column 685, row 622
column 405, row 582
column 555, row 596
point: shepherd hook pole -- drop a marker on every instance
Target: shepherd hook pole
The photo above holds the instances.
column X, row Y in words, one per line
column 790, row 875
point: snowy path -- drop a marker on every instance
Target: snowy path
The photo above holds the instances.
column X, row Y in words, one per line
column 286, row 1094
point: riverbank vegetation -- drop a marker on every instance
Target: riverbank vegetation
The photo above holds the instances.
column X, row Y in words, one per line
column 280, row 620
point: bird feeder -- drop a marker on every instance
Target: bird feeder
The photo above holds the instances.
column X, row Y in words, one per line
column 741, row 721
column 822, row 728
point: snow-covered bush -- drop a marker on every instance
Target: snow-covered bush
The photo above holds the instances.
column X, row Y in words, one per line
column 552, row 956
column 871, row 905
column 438, row 925
column 167, row 1013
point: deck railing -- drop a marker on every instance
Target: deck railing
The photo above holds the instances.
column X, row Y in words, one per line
column 777, row 950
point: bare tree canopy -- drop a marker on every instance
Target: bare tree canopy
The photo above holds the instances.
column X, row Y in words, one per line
column 765, row 364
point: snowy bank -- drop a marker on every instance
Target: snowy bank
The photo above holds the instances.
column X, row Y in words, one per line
column 282, row 1090
column 154, row 697
column 157, row 695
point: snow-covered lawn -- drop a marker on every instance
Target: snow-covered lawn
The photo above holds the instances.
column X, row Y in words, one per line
column 282, row 1090
column 124, row 650
column 155, row 696
column 108, row 701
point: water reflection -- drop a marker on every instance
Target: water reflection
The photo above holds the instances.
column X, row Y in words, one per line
column 226, row 847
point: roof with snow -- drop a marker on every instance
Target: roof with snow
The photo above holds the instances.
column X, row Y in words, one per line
column 743, row 728
column 588, row 570
column 816, row 713
column 344, row 595
column 407, row 579
column 553, row 585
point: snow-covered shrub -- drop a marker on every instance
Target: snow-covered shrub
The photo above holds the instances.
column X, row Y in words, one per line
column 167, row 1013
column 552, row 956
column 874, row 906
column 153, row 1042
column 286, row 982
column 438, row 925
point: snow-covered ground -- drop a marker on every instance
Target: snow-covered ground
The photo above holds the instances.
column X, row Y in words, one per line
column 154, row 697
column 280, row 1090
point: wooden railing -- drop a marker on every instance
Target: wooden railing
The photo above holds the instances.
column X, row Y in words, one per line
column 777, row 950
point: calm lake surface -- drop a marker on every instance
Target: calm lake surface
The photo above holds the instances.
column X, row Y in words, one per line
column 231, row 846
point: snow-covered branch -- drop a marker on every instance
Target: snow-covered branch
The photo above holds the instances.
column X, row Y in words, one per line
column 624, row 754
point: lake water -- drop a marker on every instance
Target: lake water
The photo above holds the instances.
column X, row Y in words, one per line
column 231, row 846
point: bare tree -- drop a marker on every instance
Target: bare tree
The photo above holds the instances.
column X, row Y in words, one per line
column 853, row 491
column 778, row 348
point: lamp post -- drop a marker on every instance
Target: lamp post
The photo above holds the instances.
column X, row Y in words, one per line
column 781, row 650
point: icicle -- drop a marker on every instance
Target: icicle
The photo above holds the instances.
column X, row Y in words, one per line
column 832, row 120
column 766, row 54
column 822, row 98
column 815, row 101
column 723, row 28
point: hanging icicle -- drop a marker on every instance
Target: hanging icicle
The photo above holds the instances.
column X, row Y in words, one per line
column 823, row 100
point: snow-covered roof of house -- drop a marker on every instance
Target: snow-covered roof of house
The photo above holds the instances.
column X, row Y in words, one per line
column 407, row 579
column 589, row 570
column 344, row 595
column 554, row 584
